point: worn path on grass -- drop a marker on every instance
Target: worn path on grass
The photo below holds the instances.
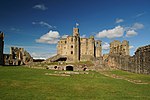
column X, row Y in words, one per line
column 135, row 81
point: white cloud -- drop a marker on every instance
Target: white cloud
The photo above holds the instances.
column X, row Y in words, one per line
column 119, row 20
column 105, row 46
column 131, row 47
column 137, row 26
column 111, row 33
column 51, row 37
column 40, row 7
column 64, row 36
column 130, row 33
column 42, row 23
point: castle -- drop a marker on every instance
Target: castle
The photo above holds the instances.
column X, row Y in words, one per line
column 75, row 49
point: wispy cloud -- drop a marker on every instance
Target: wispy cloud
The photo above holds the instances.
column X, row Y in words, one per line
column 118, row 31
column 119, row 20
column 51, row 37
column 40, row 7
column 15, row 29
column 42, row 23
column 137, row 26
column 140, row 14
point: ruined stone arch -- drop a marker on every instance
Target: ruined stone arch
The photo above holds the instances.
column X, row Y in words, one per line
column 69, row 68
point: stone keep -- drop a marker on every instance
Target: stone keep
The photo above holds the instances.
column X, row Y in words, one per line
column 75, row 48
column 1, row 47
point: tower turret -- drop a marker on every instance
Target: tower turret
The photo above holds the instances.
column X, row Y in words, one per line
column 76, row 32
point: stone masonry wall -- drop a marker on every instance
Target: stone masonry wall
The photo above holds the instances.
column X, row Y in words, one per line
column 119, row 58
column 140, row 62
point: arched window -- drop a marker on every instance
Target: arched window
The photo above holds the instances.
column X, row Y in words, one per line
column 71, row 39
column 71, row 52
column 71, row 46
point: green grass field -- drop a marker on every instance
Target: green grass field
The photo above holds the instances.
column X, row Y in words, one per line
column 20, row 83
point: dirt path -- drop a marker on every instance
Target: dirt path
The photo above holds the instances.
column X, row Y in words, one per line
column 122, row 77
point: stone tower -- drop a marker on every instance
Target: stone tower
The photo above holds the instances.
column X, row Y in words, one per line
column 98, row 48
column 91, row 46
column 1, row 47
column 125, row 47
column 116, row 47
column 76, row 41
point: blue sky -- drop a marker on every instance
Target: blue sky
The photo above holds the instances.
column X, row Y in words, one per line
column 37, row 25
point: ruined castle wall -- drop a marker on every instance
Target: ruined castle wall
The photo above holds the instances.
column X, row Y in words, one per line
column 117, row 61
column 8, row 59
column 1, row 47
column 17, row 56
column 119, row 58
column 141, row 60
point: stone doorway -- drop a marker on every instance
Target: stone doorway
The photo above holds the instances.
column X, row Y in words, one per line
column 69, row 68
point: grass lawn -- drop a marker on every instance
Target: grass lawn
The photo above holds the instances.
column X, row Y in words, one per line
column 20, row 83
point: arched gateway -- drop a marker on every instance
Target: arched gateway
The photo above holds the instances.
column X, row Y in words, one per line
column 69, row 68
